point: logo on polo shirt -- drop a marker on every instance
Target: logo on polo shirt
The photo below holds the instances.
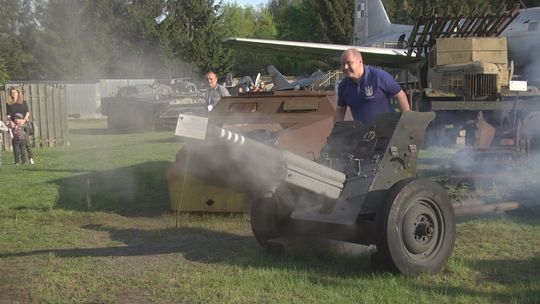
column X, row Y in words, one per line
column 369, row 91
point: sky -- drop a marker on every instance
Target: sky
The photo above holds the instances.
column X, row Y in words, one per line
column 254, row 3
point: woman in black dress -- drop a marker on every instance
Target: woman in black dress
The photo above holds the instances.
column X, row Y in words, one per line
column 17, row 104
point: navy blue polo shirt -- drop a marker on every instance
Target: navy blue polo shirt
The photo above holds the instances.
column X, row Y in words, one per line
column 370, row 97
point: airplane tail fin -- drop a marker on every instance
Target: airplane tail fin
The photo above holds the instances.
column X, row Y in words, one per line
column 370, row 19
column 278, row 79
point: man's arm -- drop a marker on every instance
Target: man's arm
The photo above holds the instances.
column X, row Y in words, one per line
column 402, row 100
column 340, row 113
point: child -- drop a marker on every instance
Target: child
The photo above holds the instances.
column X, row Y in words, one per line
column 18, row 138
column 3, row 128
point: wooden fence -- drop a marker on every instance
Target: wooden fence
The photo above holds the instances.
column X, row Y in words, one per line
column 48, row 112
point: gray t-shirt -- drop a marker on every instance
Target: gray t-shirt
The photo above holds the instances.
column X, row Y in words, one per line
column 214, row 95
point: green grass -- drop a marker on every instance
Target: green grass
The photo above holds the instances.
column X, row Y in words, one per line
column 89, row 223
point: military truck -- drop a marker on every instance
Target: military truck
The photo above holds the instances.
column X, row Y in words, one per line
column 148, row 107
column 464, row 76
column 468, row 80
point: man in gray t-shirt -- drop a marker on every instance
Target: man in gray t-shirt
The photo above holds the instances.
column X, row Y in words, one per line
column 215, row 90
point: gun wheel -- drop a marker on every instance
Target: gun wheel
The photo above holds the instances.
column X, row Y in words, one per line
column 418, row 230
column 267, row 220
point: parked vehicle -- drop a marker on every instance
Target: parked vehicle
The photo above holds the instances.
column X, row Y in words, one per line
column 149, row 107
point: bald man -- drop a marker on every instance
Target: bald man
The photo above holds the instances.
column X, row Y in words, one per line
column 215, row 90
column 366, row 90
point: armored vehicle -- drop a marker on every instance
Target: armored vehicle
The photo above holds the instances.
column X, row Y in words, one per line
column 297, row 121
column 148, row 107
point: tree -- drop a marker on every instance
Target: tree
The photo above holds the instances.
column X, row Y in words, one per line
column 192, row 32
column 59, row 51
column 335, row 19
column 4, row 76
column 248, row 22
column 128, row 36
column 265, row 26
column 298, row 21
column 89, row 39
column 17, row 21
column 86, row 39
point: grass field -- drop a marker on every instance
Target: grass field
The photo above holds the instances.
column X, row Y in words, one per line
column 89, row 223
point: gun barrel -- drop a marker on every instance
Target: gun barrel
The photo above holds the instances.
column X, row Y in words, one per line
column 297, row 170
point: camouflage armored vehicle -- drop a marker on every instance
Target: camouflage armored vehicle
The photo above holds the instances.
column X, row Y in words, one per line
column 149, row 107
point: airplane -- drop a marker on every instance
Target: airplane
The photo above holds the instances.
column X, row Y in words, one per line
column 373, row 29
column 282, row 83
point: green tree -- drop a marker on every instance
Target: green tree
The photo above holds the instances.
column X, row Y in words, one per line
column 17, row 22
column 60, row 52
column 248, row 22
column 407, row 11
column 532, row 3
column 86, row 39
column 297, row 21
column 4, row 76
column 128, row 37
column 192, row 32
column 265, row 26
column 334, row 19
column 14, row 57
column 238, row 21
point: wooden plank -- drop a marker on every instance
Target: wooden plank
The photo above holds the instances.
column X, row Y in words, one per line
column 30, row 98
column 32, row 101
column 43, row 117
column 5, row 143
column 37, row 114
column 37, row 117
column 50, row 117
column 64, row 113
column 58, row 134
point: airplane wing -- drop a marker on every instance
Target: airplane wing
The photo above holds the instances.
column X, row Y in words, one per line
column 383, row 57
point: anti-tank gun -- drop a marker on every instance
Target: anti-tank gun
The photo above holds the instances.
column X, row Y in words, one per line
column 362, row 189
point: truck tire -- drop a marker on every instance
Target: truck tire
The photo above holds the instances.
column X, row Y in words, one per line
column 267, row 221
column 418, row 228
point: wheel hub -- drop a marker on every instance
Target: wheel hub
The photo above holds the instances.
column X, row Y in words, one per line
column 424, row 229
column 420, row 229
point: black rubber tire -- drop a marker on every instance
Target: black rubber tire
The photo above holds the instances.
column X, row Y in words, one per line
column 267, row 220
column 418, row 228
